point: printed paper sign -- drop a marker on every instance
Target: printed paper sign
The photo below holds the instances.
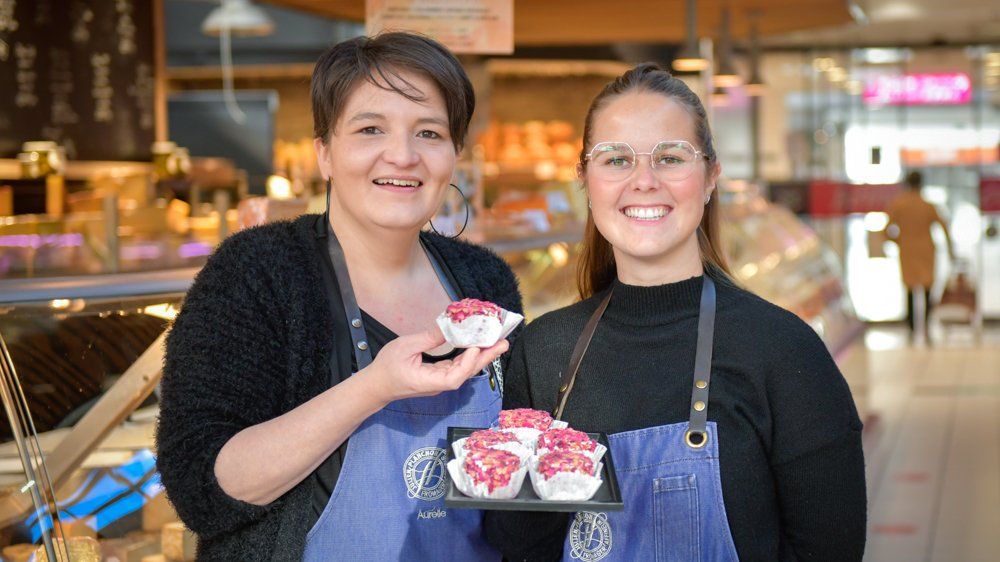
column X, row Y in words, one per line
column 464, row 26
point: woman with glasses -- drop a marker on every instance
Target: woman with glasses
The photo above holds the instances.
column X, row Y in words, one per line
column 733, row 434
column 295, row 423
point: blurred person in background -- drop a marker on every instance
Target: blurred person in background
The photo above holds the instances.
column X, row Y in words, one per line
column 910, row 221
column 733, row 433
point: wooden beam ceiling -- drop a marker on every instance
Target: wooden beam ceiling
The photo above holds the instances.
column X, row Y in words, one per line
column 596, row 22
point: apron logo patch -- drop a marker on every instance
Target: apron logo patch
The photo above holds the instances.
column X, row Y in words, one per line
column 424, row 473
column 590, row 536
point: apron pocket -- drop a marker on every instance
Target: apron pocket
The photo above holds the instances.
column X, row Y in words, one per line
column 675, row 512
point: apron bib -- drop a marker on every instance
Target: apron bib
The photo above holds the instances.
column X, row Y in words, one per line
column 668, row 476
column 388, row 503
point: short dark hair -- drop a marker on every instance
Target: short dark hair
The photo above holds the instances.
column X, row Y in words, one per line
column 914, row 179
column 343, row 66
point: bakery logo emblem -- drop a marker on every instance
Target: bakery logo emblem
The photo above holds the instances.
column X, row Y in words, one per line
column 590, row 536
column 424, row 474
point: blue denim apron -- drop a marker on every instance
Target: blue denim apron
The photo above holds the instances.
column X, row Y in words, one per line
column 388, row 503
column 668, row 476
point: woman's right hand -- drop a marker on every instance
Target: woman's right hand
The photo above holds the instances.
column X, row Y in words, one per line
column 398, row 371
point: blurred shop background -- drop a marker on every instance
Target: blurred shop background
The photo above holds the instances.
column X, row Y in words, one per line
column 135, row 135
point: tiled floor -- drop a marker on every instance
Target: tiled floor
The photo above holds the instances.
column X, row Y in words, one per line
column 932, row 444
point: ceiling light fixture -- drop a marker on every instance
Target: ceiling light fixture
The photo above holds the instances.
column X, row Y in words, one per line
column 243, row 19
column 240, row 17
column 756, row 86
column 689, row 59
column 725, row 73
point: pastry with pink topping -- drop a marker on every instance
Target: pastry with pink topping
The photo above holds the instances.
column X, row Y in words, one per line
column 565, row 476
column 527, row 424
column 476, row 323
column 568, row 462
column 566, row 439
column 491, row 467
column 490, row 439
column 487, row 439
column 525, row 417
column 488, row 473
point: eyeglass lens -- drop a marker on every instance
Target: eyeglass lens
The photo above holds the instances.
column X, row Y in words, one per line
column 670, row 160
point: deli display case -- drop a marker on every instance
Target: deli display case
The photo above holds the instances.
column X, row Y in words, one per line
column 80, row 364
column 771, row 253
column 775, row 255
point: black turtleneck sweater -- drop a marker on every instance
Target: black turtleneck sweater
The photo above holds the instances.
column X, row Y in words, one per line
column 792, row 469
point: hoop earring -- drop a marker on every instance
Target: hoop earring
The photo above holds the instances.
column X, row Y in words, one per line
column 468, row 212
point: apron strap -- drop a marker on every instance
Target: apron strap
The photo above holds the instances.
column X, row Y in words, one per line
column 359, row 339
column 452, row 291
column 355, row 323
column 696, row 435
column 569, row 376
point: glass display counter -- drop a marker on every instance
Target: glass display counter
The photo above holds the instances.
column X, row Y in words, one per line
column 81, row 361
column 771, row 253
column 778, row 257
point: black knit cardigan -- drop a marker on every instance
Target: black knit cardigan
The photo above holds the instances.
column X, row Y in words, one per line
column 252, row 342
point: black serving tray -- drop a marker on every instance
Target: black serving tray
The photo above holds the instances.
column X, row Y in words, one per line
column 607, row 498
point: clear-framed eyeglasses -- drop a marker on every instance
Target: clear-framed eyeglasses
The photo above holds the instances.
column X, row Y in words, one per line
column 670, row 160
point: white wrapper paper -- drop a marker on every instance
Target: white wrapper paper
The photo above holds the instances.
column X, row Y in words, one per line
column 565, row 486
column 596, row 455
column 465, row 485
column 522, row 452
column 528, row 436
column 478, row 330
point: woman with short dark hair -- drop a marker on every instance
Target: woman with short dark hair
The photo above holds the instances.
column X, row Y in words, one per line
column 295, row 424
column 733, row 434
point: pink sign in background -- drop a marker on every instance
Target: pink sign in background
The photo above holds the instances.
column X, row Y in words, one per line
column 944, row 88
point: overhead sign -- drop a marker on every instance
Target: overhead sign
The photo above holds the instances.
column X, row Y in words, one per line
column 943, row 88
column 464, row 26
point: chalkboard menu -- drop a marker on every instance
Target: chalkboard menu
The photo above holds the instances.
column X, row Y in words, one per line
column 79, row 72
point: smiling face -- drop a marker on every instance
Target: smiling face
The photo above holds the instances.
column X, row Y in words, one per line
column 649, row 220
column 389, row 158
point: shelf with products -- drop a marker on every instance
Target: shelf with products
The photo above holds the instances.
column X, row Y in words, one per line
column 116, row 217
column 82, row 356
column 527, row 156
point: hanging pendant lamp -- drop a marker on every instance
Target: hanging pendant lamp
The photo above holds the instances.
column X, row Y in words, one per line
column 755, row 86
column 241, row 17
column 689, row 58
column 234, row 18
column 725, row 73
